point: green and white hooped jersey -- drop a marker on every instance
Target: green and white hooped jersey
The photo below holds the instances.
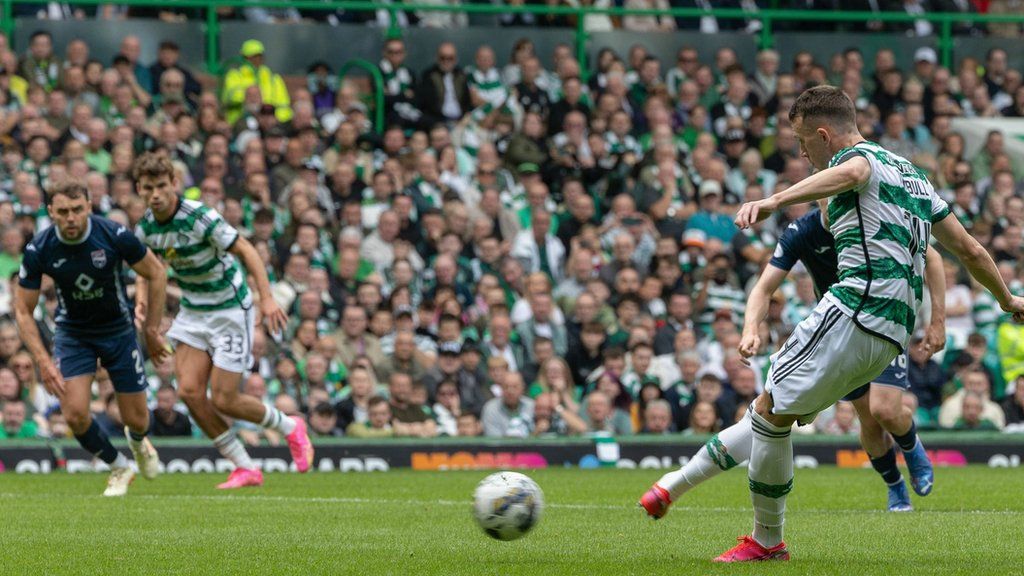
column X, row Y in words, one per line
column 489, row 85
column 881, row 233
column 195, row 243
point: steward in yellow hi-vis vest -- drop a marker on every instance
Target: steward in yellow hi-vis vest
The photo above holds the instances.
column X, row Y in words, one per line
column 252, row 72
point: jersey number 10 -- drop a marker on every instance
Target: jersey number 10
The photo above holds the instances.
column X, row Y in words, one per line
column 920, row 230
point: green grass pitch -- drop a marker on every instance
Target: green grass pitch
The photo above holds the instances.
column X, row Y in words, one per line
column 420, row 523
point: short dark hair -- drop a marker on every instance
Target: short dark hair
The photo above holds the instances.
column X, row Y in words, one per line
column 450, row 318
column 355, row 369
column 640, row 345
column 613, row 353
column 734, row 69
column 826, row 103
column 73, row 189
column 263, row 216
column 630, row 299
column 323, row 409
column 374, row 402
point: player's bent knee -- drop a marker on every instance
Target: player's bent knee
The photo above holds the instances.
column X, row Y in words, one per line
column 192, row 395
column 138, row 422
column 887, row 415
column 224, row 401
column 78, row 420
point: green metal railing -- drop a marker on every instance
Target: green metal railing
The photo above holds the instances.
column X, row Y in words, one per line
column 766, row 37
column 378, row 87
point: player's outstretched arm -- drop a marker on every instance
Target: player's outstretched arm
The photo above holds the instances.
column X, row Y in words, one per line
column 276, row 319
column 952, row 235
column 154, row 280
column 25, row 301
column 849, row 175
column 757, row 308
column 935, row 277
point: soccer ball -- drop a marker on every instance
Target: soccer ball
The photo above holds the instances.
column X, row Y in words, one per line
column 507, row 505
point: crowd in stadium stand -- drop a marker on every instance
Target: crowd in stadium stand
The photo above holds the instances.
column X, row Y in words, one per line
column 526, row 249
column 592, row 22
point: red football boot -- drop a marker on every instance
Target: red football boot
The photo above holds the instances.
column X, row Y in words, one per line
column 656, row 502
column 748, row 550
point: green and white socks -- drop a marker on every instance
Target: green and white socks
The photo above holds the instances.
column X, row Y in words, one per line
column 771, row 478
column 277, row 420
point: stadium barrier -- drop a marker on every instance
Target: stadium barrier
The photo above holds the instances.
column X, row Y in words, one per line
column 342, row 455
column 211, row 40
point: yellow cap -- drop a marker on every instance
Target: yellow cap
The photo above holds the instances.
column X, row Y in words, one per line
column 192, row 193
column 251, row 48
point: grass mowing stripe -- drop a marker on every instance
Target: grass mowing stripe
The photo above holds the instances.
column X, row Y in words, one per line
column 468, row 501
column 405, row 523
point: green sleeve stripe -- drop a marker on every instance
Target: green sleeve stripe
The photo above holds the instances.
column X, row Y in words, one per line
column 940, row 215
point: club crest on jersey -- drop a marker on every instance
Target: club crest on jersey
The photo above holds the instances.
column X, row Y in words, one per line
column 99, row 258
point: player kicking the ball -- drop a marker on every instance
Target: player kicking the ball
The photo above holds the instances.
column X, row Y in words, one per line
column 881, row 212
column 83, row 254
column 214, row 329
column 879, row 404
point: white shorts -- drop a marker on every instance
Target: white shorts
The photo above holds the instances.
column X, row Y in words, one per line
column 826, row 357
column 226, row 335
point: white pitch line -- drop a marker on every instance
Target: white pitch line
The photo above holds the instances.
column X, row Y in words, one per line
column 441, row 502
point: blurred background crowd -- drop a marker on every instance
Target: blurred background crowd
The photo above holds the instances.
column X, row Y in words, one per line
column 519, row 251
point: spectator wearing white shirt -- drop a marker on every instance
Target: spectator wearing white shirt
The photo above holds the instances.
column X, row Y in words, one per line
column 538, row 249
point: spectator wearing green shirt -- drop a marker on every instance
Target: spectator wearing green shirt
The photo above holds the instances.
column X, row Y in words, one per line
column 709, row 218
column 378, row 423
column 96, row 155
column 972, row 418
column 12, row 241
column 16, row 423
